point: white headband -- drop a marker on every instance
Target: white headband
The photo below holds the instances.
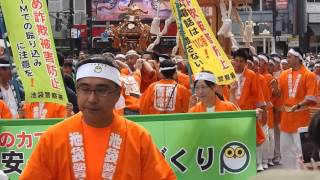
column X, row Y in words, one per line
column 250, row 62
column 167, row 68
column 295, row 53
column 99, row 70
column 205, row 76
column 120, row 56
column 284, row 61
column 277, row 59
column 263, row 57
column 317, row 65
column 4, row 65
column 272, row 62
column 255, row 59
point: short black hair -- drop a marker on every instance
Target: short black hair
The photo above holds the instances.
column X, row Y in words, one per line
column 241, row 53
column 99, row 59
column 68, row 63
column 168, row 73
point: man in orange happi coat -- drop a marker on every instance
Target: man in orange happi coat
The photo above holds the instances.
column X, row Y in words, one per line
column 97, row 143
column 165, row 96
column 268, row 150
column 246, row 93
column 297, row 88
column 4, row 111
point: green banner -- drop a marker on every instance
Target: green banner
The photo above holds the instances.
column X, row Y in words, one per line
column 34, row 51
column 198, row 146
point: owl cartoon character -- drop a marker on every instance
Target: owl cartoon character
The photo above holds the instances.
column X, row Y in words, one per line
column 234, row 158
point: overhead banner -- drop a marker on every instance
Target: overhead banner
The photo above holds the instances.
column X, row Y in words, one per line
column 202, row 146
column 200, row 44
column 34, row 51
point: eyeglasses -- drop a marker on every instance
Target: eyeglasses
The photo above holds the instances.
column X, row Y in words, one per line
column 198, row 88
column 100, row 91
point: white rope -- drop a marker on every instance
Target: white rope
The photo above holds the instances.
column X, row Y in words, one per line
column 155, row 25
column 163, row 32
column 176, row 47
column 226, row 28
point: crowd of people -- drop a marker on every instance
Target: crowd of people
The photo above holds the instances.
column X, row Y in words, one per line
column 280, row 89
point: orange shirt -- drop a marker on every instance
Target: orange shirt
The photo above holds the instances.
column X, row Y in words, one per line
column 49, row 110
column 138, row 157
column 251, row 95
column 219, row 106
column 306, row 87
column 131, row 89
column 268, row 78
column 95, row 140
column 183, row 80
column 266, row 96
column 165, row 96
column 4, row 111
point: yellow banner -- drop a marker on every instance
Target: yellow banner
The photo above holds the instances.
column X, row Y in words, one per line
column 203, row 49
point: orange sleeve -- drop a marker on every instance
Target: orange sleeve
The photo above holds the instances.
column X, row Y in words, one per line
column 232, row 107
column 62, row 111
column 28, row 112
column 5, row 111
column 154, row 166
column 185, row 97
column 38, row 166
column 120, row 111
column 226, row 92
column 311, row 85
column 257, row 91
column 145, row 100
column 260, row 134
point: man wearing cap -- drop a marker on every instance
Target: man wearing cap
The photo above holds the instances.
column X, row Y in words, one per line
column 165, row 96
column 97, row 143
column 297, row 88
column 10, row 92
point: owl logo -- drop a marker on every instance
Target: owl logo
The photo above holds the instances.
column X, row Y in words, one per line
column 234, row 158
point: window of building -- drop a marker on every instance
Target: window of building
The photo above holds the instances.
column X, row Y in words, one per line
column 267, row 5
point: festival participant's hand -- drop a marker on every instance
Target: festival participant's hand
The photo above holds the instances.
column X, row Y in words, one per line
column 21, row 113
column 193, row 100
column 294, row 108
column 69, row 108
column 139, row 64
column 259, row 113
column 233, row 88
